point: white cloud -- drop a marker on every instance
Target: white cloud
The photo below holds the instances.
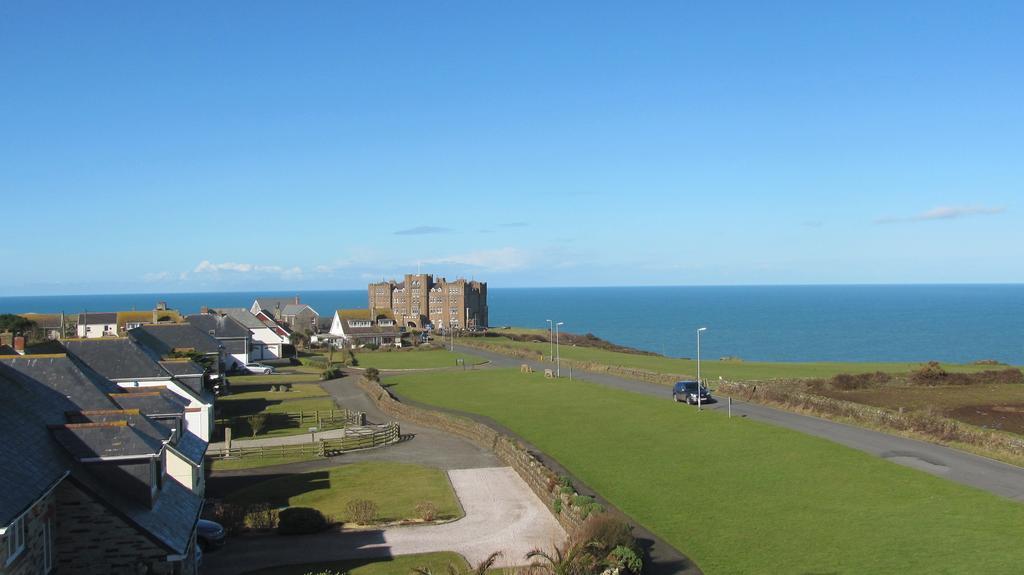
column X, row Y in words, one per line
column 945, row 213
column 206, row 266
column 502, row 259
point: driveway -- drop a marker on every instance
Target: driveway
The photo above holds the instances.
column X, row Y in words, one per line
column 959, row 466
column 501, row 514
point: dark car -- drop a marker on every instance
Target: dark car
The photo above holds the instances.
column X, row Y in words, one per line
column 690, row 391
column 209, row 535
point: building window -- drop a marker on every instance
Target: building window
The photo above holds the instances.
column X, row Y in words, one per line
column 15, row 539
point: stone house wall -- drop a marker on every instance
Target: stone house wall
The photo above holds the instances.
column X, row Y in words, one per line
column 93, row 540
column 31, row 560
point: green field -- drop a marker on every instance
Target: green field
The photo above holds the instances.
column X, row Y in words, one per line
column 396, row 488
column 712, row 368
column 413, row 359
column 402, row 565
column 740, row 496
column 253, row 462
column 251, row 391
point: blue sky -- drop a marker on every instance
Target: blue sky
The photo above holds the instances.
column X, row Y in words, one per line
column 246, row 145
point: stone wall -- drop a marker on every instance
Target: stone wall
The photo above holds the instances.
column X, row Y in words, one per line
column 92, row 540
column 542, row 480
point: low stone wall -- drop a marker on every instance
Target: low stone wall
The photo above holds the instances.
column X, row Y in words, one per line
column 542, row 480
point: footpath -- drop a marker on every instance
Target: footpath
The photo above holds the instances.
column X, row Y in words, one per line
column 965, row 468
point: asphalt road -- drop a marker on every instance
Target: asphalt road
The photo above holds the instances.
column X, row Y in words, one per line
column 968, row 469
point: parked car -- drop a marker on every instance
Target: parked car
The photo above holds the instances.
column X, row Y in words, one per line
column 259, row 368
column 690, row 391
column 209, row 535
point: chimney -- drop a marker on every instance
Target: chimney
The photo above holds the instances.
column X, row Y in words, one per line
column 161, row 306
column 19, row 344
column 204, row 310
column 296, row 300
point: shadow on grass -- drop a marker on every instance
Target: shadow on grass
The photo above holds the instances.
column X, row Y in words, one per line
column 282, row 488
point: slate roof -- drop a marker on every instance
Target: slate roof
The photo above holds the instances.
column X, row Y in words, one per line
column 221, row 327
column 243, row 317
column 162, row 339
column 349, row 315
column 119, row 358
column 151, row 401
column 192, row 447
column 287, row 306
column 182, row 367
column 95, row 318
column 40, row 393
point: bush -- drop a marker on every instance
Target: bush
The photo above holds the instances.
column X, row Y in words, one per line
column 372, row 374
column 929, row 374
column 300, row 521
column 333, row 373
column 556, row 505
column 257, row 423
column 261, row 516
column 605, row 532
column 845, row 381
column 426, row 510
column 362, row 511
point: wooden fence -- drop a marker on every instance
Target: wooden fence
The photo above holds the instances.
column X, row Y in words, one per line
column 356, row 438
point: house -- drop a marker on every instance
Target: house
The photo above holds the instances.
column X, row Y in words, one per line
column 97, row 324
column 232, row 336
column 127, row 320
column 86, row 487
column 175, row 341
column 270, row 340
column 135, row 368
column 290, row 311
column 357, row 327
column 49, row 325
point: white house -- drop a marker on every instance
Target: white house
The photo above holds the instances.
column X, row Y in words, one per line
column 97, row 324
column 356, row 327
column 269, row 339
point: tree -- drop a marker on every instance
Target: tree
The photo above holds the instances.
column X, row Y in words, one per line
column 16, row 324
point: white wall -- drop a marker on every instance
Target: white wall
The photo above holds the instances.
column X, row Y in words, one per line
column 97, row 330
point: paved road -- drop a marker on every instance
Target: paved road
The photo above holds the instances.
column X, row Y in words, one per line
column 959, row 466
column 501, row 514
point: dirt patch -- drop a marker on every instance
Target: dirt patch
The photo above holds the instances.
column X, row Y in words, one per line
column 1002, row 417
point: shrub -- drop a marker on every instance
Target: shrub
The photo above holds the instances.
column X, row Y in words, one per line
column 261, row 516
column 300, row 521
column 929, row 374
column 372, row 374
column 257, row 423
column 332, row 373
column 426, row 510
column 556, row 505
column 362, row 511
column 845, row 381
column 230, row 516
column 605, row 533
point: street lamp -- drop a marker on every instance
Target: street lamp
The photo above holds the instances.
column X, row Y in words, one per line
column 698, row 367
column 558, row 353
column 551, row 340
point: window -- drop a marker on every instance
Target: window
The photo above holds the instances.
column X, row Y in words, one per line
column 15, row 539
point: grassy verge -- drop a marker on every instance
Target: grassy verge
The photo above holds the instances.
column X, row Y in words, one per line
column 737, row 495
column 396, row 488
column 263, row 390
column 254, row 462
column 435, row 358
column 401, row 565
column 711, row 369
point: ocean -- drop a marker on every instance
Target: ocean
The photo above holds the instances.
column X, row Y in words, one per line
column 955, row 323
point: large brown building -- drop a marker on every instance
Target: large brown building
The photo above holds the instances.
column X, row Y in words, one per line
column 419, row 301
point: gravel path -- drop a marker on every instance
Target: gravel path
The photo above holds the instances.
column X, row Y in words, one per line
column 502, row 514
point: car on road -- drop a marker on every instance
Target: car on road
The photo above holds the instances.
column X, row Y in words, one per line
column 691, row 392
column 209, row 535
column 258, row 368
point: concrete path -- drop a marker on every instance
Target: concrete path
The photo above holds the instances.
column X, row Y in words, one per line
column 968, row 469
column 502, row 514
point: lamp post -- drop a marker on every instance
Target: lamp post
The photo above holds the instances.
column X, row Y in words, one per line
column 699, row 407
column 558, row 353
column 551, row 340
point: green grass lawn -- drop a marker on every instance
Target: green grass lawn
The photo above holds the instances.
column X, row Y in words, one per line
column 712, row 369
column 254, row 462
column 396, row 488
column 740, row 496
column 251, row 391
column 413, row 359
column 300, row 375
column 401, row 565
